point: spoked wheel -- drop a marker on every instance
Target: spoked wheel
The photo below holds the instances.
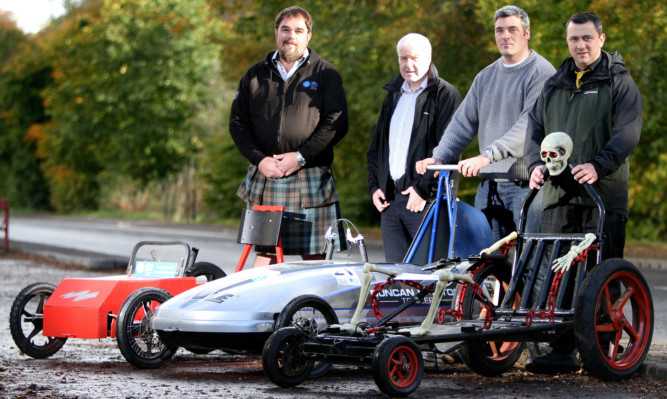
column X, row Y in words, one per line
column 283, row 360
column 398, row 366
column 613, row 320
column 207, row 269
column 26, row 321
column 311, row 314
column 138, row 342
column 489, row 358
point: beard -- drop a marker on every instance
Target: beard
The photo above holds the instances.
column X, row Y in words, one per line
column 289, row 54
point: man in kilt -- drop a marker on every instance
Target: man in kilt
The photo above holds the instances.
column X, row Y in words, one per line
column 288, row 113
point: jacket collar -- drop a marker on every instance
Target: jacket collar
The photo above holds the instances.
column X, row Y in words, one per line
column 603, row 69
column 397, row 81
column 312, row 58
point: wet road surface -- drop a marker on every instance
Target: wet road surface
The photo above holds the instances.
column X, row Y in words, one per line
column 96, row 369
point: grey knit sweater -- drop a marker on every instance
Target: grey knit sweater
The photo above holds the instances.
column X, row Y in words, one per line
column 497, row 107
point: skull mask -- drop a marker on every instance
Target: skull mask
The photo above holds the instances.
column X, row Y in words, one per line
column 555, row 151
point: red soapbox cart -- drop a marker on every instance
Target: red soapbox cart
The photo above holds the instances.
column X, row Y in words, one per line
column 44, row 316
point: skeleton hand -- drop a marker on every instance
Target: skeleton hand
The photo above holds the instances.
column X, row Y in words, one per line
column 564, row 262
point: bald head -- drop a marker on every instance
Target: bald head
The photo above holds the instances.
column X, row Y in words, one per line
column 414, row 58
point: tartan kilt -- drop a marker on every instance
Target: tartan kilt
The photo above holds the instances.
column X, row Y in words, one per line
column 311, row 206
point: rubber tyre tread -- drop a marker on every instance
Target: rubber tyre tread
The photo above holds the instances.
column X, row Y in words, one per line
column 208, row 269
column 126, row 316
column 308, row 301
column 472, row 353
column 585, row 320
column 18, row 306
column 382, row 357
column 285, row 341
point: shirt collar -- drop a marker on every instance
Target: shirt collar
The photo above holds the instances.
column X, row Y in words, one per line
column 405, row 88
column 305, row 55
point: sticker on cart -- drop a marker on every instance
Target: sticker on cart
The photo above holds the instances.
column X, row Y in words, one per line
column 346, row 277
column 155, row 269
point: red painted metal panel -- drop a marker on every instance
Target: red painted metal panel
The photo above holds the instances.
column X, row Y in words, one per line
column 80, row 308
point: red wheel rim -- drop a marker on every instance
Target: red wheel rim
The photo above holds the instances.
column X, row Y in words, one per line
column 501, row 350
column 625, row 318
column 403, row 366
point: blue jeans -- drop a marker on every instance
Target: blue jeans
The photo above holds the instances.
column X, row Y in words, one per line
column 501, row 202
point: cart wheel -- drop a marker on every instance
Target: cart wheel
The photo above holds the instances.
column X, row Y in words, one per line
column 282, row 358
column 398, row 366
column 208, row 269
column 26, row 320
column 310, row 314
column 138, row 342
column 489, row 358
column 613, row 320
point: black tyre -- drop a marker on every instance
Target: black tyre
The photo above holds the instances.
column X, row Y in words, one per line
column 208, row 269
column 613, row 320
column 489, row 358
column 310, row 314
column 398, row 366
column 138, row 342
column 26, row 321
column 283, row 360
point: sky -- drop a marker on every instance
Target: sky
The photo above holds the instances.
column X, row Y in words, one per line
column 32, row 15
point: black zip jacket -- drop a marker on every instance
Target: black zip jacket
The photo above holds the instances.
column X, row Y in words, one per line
column 434, row 109
column 308, row 113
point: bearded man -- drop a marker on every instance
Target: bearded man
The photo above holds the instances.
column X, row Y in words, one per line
column 288, row 113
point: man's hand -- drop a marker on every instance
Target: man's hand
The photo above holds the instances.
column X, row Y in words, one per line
column 470, row 167
column 379, row 200
column 269, row 168
column 287, row 162
column 415, row 202
column 536, row 178
column 585, row 173
column 421, row 165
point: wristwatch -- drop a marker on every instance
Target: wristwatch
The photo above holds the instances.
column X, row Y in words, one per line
column 489, row 154
column 300, row 159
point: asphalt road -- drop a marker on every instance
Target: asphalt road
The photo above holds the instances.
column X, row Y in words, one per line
column 97, row 241
column 95, row 369
column 115, row 239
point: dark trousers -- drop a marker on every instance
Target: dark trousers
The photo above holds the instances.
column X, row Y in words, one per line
column 583, row 219
column 399, row 227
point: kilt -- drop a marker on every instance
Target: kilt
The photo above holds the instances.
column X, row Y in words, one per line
column 311, row 206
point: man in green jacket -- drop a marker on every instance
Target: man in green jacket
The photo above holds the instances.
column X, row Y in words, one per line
column 593, row 99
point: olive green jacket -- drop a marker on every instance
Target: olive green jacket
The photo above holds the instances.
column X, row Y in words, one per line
column 603, row 117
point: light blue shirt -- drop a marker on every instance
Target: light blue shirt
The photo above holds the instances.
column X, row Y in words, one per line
column 287, row 74
column 400, row 129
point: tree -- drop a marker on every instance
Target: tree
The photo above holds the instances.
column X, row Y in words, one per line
column 22, row 77
column 129, row 80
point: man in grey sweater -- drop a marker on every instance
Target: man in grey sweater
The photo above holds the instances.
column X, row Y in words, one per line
column 496, row 108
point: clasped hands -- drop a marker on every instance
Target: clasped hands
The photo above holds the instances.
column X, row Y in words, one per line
column 279, row 165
